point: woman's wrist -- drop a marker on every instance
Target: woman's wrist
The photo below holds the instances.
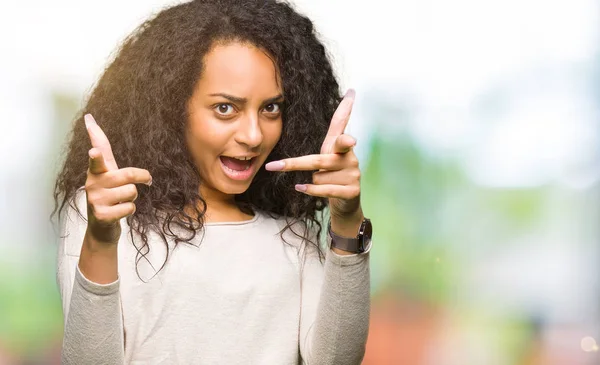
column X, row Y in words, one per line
column 98, row 261
column 346, row 226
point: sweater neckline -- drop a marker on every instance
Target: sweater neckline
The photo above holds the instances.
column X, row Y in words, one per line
column 234, row 223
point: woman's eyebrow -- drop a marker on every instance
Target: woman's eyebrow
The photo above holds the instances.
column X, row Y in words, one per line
column 235, row 99
column 239, row 100
column 273, row 99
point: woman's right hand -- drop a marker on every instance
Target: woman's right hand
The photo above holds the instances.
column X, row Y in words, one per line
column 110, row 191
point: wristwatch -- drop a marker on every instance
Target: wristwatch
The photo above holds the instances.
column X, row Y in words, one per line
column 356, row 244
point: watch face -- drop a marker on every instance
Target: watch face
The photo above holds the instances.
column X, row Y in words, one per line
column 366, row 231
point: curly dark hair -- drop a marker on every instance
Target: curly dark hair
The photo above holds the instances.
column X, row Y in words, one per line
column 140, row 103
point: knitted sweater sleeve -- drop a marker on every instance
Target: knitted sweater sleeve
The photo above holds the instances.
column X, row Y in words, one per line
column 93, row 332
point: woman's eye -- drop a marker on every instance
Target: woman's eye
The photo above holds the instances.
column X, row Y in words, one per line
column 224, row 109
column 272, row 108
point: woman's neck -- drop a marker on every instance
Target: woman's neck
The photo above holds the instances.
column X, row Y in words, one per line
column 222, row 208
column 216, row 213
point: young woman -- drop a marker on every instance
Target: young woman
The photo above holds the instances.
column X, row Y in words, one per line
column 195, row 237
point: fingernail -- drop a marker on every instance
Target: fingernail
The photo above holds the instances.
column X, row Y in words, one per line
column 301, row 188
column 275, row 166
column 89, row 120
column 149, row 183
column 350, row 94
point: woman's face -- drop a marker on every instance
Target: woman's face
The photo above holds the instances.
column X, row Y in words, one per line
column 234, row 117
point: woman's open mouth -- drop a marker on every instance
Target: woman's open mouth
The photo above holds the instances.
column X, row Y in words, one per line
column 238, row 168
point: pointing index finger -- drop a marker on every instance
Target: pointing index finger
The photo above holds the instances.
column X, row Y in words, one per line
column 100, row 141
column 330, row 162
column 340, row 118
column 339, row 121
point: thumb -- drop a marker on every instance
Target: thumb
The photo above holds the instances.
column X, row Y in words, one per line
column 97, row 163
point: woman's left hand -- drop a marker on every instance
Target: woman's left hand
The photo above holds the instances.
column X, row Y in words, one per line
column 337, row 175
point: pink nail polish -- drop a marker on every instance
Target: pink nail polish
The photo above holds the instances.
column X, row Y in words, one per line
column 275, row 166
column 301, row 188
column 89, row 120
column 350, row 94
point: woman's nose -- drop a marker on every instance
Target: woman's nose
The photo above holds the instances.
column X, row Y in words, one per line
column 249, row 132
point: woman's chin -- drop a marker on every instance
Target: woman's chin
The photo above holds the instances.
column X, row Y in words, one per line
column 235, row 188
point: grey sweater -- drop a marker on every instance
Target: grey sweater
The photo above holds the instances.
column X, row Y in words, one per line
column 239, row 296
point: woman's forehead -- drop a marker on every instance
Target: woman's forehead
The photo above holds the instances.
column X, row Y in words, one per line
column 240, row 67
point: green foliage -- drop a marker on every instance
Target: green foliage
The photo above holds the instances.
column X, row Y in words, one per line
column 404, row 192
column 30, row 303
column 428, row 216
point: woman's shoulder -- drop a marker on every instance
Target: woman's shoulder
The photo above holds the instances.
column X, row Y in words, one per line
column 74, row 213
column 73, row 223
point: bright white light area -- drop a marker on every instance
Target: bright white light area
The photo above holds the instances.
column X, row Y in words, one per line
column 445, row 55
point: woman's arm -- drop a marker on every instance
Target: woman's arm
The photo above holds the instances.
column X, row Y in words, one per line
column 92, row 312
column 334, row 331
column 90, row 290
column 335, row 308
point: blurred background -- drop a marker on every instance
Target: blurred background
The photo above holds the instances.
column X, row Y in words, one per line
column 478, row 128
